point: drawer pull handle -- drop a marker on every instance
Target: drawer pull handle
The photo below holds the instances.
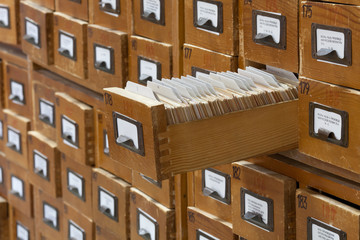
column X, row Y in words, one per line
column 14, row 97
column 125, row 140
column 44, row 118
column 105, row 210
column 29, row 39
column 151, row 16
column 2, row 24
column 266, row 38
column 326, row 134
column 64, row 51
column 11, row 145
column 101, row 64
column 254, row 216
column 328, row 53
column 205, row 22
column 74, row 190
column 209, row 192
column 144, row 233
column 106, row 6
column 39, row 171
column 144, row 78
column 15, row 193
column 49, row 222
column 68, row 137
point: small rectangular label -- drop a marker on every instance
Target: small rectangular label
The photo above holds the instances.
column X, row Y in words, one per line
column 330, row 121
column 202, row 235
column 104, row 58
column 258, row 206
column 208, row 16
column 75, row 183
column 332, row 40
column 215, row 182
column 22, row 233
column 75, row 232
column 106, row 142
column 67, row 45
column 148, row 69
column 1, row 176
column 152, row 6
column 1, row 130
column 17, row 186
column 69, row 131
column 269, row 26
column 17, row 92
column 51, row 216
column 32, row 32
column 111, row 7
column 40, row 164
column 47, row 111
column 207, row 11
column 318, row 230
column 108, row 203
column 147, row 225
column 4, row 17
column 14, row 139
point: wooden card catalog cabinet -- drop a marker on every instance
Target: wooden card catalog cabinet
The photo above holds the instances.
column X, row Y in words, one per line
column 48, row 216
column 196, row 59
column 75, row 129
column 70, row 51
column 151, row 219
column 18, row 90
column 327, row 41
column 44, row 164
column 321, row 217
column 76, row 225
column 107, row 57
column 19, row 189
column 212, row 189
column 74, row 8
column 9, row 25
column 15, row 134
column 326, row 113
column 21, row 226
column 149, row 60
column 3, row 175
column 270, row 33
column 263, row 204
column 205, row 226
column 76, row 184
column 103, row 234
column 159, row 150
column 37, row 32
column 213, row 25
column 110, row 202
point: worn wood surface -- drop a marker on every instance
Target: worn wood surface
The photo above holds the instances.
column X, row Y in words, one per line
column 44, row 18
column 287, row 59
column 312, row 177
column 82, row 221
column 84, row 206
column 5, row 223
column 181, row 204
column 24, row 205
column 17, row 216
column 76, row 9
column 5, row 178
column 50, row 4
column 191, row 189
column 103, row 234
column 118, row 188
column 226, row 42
column 2, row 139
column 12, row 54
column 336, row 97
column 11, row 35
column 118, row 41
column 44, row 231
column 40, row 143
column 266, row 183
column 208, row 223
column 83, row 115
column 21, row 124
column 78, row 29
column 327, row 210
column 205, row 59
column 337, row 15
column 209, row 204
column 164, row 217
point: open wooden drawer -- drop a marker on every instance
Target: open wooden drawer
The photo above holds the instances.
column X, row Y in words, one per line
column 147, row 144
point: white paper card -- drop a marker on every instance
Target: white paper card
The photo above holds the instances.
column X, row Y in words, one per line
column 128, row 130
column 1, row 175
column 47, row 109
column 141, row 90
column 17, row 89
column 113, row 3
column 4, row 15
column 327, row 120
column 50, row 214
column 17, row 186
column 68, row 128
column 153, row 6
column 332, row 40
column 67, row 43
column 103, row 55
column 21, row 232
column 75, row 181
column 1, row 130
column 208, row 11
column 14, row 138
column 146, row 225
column 76, row 232
column 269, row 26
column 320, row 233
column 148, row 68
column 215, row 182
column 255, row 205
column 31, row 29
column 107, row 201
column 40, row 162
column 206, row 236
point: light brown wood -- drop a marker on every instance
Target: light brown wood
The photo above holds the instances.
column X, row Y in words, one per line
column 180, row 148
column 2, row 138
column 22, row 125
column 287, row 59
column 271, row 185
column 226, row 42
column 208, row 223
column 151, row 50
column 78, row 29
column 38, row 143
column 337, row 15
column 44, row 18
column 181, row 204
column 84, row 204
column 191, row 189
column 197, row 57
column 335, row 97
column 120, row 190
column 327, row 210
column 17, row 217
column 18, row 75
column 103, row 234
column 5, row 178
column 5, row 223
column 46, row 3
column 82, row 221
column 209, row 204
column 118, row 41
column 104, row 160
column 12, row 54
column 83, row 116
column 44, row 231
column 11, row 35
column 24, row 205
column 164, row 217
column 76, row 9
column 312, row 177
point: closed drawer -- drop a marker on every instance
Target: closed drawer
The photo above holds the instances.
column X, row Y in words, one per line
column 76, row 225
column 9, row 22
column 3, row 175
column 75, row 8
column 21, row 226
